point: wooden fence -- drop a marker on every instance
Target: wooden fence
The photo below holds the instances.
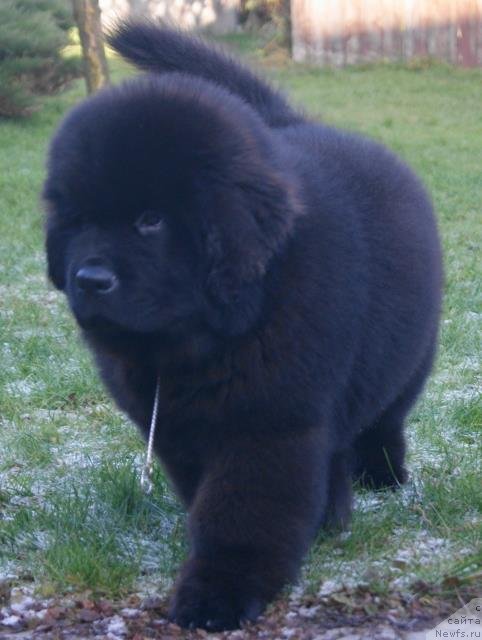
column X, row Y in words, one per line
column 340, row 32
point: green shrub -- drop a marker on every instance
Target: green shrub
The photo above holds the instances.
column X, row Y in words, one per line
column 32, row 36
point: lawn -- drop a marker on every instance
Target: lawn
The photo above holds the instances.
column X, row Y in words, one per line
column 72, row 516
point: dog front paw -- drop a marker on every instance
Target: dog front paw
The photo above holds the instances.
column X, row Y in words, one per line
column 214, row 602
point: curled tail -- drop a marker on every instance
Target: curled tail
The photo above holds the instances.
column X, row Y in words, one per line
column 159, row 49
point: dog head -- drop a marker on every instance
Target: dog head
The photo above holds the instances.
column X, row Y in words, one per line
column 166, row 203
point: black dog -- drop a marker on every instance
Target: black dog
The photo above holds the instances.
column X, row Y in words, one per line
column 281, row 279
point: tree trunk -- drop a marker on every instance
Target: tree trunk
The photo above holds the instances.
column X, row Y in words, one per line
column 87, row 17
column 286, row 24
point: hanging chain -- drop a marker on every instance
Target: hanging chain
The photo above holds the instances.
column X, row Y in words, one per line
column 147, row 471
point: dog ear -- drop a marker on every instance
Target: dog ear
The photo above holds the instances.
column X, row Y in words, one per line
column 251, row 225
column 55, row 260
column 55, row 247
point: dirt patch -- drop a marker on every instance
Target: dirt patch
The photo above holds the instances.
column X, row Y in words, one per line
column 349, row 614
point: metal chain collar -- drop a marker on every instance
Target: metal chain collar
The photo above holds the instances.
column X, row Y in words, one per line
column 147, row 471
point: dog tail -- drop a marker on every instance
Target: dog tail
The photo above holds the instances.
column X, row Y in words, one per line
column 160, row 49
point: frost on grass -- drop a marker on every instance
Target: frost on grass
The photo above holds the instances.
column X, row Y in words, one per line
column 25, row 387
column 74, row 475
column 468, row 392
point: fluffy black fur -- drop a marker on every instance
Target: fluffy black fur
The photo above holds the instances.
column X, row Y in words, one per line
column 280, row 277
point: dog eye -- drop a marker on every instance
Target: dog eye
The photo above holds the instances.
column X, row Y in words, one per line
column 149, row 222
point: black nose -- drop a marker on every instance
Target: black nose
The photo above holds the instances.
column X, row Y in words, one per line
column 95, row 279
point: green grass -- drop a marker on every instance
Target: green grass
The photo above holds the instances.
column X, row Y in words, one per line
column 71, row 512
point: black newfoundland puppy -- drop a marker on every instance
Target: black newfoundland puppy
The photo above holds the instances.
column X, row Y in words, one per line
column 281, row 279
